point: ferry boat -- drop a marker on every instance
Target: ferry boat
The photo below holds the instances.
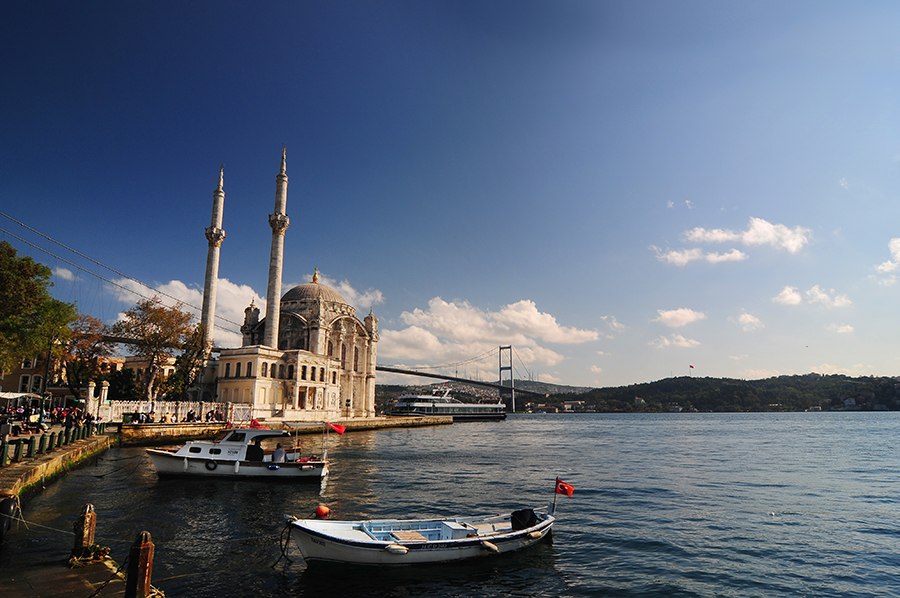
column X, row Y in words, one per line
column 444, row 404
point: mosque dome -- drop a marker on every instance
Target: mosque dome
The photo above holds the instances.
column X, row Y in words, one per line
column 311, row 292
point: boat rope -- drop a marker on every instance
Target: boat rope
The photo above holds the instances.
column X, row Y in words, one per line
column 284, row 542
column 27, row 523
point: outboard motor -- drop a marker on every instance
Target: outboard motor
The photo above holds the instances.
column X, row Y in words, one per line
column 523, row 519
column 7, row 513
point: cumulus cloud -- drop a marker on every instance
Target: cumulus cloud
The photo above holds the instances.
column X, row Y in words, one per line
column 843, row 183
column 675, row 340
column 857, row 369
column 788, row 296
column 818, row 295
column 613, row 325
column 675, row 318
column 452, row 331
column 596, row 369
column 682, row 257
column 756, row 374
column 840, row 328
column 361, row 300
column 64, row 273
column 759, row 232
column 892, row 265
column 749, row 322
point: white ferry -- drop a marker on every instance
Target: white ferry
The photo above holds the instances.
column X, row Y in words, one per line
column 421, row 405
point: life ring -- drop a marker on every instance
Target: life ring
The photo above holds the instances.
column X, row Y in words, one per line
column 211, row 465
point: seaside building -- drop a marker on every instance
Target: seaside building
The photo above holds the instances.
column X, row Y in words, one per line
column 310, row 358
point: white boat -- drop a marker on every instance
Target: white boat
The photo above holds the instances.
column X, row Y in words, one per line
column 239, row 452
column 414, row 541
column 444, row 404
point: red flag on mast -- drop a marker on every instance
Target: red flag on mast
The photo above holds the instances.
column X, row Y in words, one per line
column 563, row 488
column 337, row 427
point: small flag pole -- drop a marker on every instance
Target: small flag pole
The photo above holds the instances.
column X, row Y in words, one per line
column 553, row 508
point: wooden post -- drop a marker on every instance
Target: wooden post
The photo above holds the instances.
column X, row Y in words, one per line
column 32, row 442
column 4, row 453
column 42, row 444
column 84, row 530
column 140, row 567
column 52, row 444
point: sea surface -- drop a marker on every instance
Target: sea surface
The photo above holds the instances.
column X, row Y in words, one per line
column 685, row 505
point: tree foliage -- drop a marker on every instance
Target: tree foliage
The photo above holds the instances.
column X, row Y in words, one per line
column 31, row 321
column 158, row 331
column 782, row 393
column 188, row 367
column 86, row 348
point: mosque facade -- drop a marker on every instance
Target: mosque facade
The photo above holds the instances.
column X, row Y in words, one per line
column 309, row 358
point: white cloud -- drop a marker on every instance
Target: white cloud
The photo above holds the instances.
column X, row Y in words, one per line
column 843, row 183
column 840, row 329
column 676, row 340
column 892, row 265
column 675, row 318
column 454, row 331
column 759, row 232
column 670, row 204
column 613, row 324
column 818, row 295
column 549, row 379
column 596, row 369
column 689, row 204
column 788, row 296
column 361, row 300
column 754, row 374
column 749, row 322
column 738, row 357
column 857, row 369
column 682, row 257
column 64, row 273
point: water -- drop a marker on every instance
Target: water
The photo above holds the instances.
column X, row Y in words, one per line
column 683, row 505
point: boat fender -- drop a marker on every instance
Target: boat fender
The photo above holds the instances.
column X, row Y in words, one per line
column 210, row 465
column 237, row 467
column 7, row 513
column 184, row 465
column 396, row 549
column 535, row 534
column 490, row 546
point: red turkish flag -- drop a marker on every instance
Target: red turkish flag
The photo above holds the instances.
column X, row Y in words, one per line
column 337, row 428
column 563, row 488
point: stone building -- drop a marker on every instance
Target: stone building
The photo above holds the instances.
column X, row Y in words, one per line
column 310, row 358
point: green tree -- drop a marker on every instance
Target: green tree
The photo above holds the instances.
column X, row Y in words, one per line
column 188, row 367
column 158, row 331
column 31, row 321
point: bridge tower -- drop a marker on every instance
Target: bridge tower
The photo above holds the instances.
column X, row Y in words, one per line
column 511, row 393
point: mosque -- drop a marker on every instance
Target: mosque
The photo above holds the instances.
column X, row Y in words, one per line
column 309, row 358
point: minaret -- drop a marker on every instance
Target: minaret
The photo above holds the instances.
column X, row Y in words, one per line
column 279, row 223
column 214, row 235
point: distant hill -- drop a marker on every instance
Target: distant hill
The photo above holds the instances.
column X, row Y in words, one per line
column 782, row 393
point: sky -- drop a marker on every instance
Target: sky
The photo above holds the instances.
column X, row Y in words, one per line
column 622, row 191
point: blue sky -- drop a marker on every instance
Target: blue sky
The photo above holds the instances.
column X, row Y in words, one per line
column 620, row 190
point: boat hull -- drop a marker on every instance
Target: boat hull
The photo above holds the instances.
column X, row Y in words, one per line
column 317, row 545
column 170, row 465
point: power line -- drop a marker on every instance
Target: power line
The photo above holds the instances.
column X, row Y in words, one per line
column 85, row 270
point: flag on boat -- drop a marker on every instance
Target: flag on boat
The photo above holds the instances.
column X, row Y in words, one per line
column 337, row 428
column 563, row 488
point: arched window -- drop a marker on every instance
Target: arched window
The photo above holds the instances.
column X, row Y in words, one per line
column 290, row 372
column 281, row 371
column 312, row 373
column 227, row 370
column 343, row 356
column 249, row 369
column 356, row 359
column 321, row 374
column 303, row 372
column 265, row 369
column 334, row 377
column 237, row 370
column 330, row 349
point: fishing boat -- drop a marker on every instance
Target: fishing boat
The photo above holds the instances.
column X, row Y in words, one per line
column 416, row 541
column 444, row 404
column 240, row 453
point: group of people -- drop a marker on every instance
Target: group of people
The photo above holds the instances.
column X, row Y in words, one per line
column 34, row 418
column 170, row 418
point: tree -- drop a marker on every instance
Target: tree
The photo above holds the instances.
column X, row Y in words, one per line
column 158, row 332
column 188, row 367
column 87, row 345
column 31, row 321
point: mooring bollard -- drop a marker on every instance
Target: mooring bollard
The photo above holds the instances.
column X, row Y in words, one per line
column 42, row 444
column 32, row 446
column 4, row 453
column 59, row 439
column 52, row 443
column 84, row 530
column 140, row 567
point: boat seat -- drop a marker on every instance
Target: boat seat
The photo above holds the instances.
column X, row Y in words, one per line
column 408, row 536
